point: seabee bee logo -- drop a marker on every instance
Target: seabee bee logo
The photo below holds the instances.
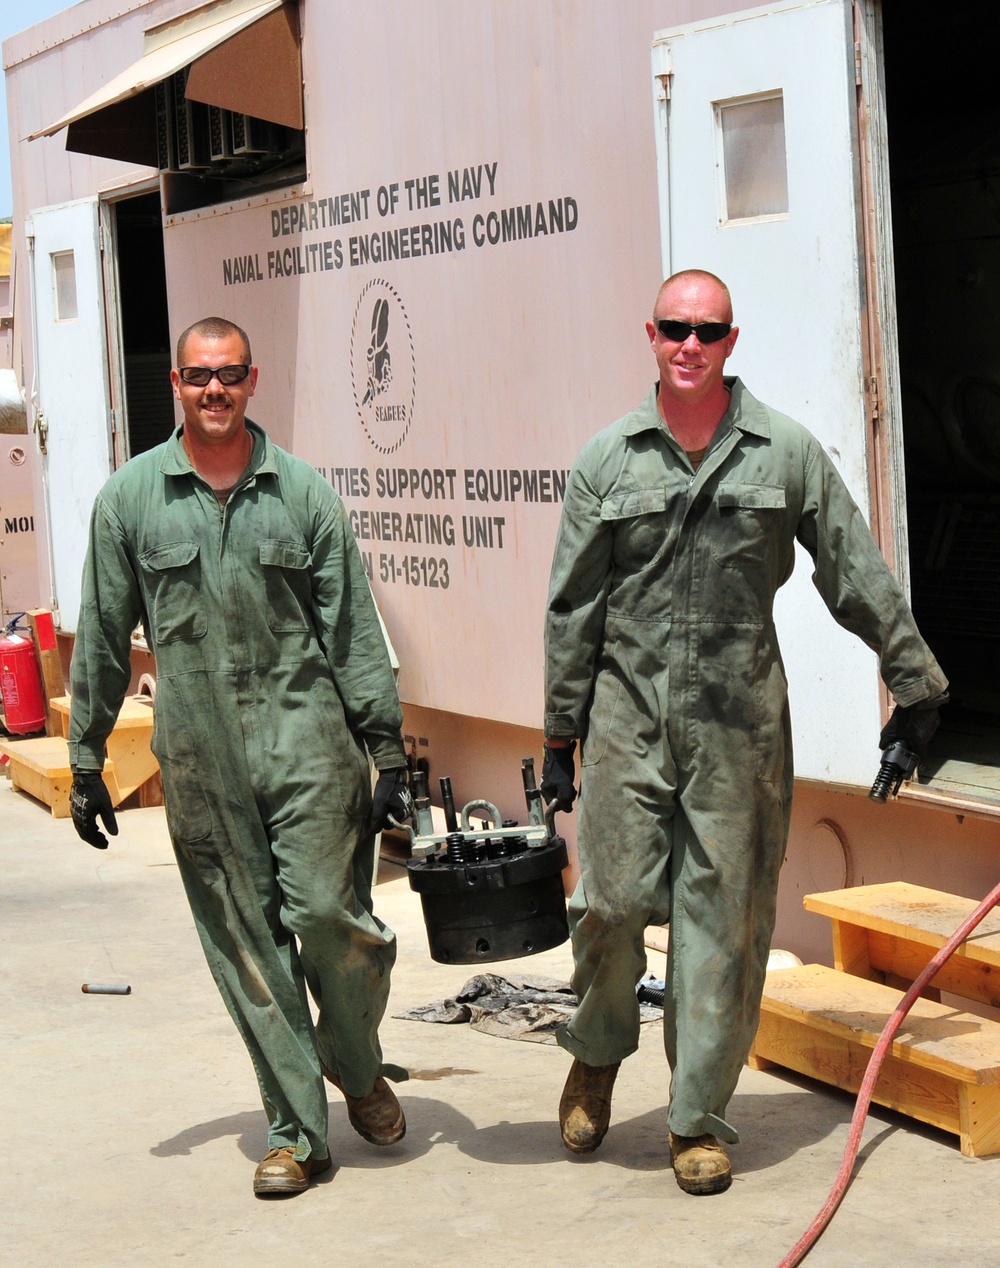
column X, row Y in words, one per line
column 379, row 357
column 382, row 366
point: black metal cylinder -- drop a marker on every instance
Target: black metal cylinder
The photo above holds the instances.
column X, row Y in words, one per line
column 500, row 908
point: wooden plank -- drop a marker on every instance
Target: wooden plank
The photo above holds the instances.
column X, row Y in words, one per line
column 926, row 916
column 979, row 1120
column 128, row 750
column 934, row 1036
column 42, row 771
column 961, row 975
column 850, row 950
column 840, row 1061
column 758, row 1062
column 136, row 711
column 40, row 768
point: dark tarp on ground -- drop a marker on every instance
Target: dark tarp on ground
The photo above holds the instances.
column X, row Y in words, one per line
column 516, row 1007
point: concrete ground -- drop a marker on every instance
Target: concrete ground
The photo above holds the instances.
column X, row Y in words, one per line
column 134, row 1123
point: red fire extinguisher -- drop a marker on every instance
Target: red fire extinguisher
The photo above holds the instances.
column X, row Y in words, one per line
column 20, row 683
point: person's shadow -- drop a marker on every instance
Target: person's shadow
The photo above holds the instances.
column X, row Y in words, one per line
column 429, row 1122
column 774, row 1127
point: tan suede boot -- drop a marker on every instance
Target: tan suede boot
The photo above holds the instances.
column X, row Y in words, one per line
column 378, row 1117
column 280, row 1174
column 585, row 1105
column 701, row 1165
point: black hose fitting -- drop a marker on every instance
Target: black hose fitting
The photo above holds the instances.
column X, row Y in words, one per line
column 898, row 763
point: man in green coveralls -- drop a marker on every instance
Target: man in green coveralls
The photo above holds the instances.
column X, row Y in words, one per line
column 273, row 679
column 678, row 527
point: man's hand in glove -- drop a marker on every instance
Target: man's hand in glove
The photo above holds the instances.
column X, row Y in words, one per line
column 88, row 799
column 913, row 725
column 391, row 797
column 558, row 773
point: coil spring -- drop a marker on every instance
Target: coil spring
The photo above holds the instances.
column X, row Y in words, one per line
column 459, row 849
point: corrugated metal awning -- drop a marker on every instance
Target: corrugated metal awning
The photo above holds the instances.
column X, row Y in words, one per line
column 243, row 56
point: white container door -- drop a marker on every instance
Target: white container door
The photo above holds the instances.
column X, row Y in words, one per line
column 71, row 383
column 757, row 151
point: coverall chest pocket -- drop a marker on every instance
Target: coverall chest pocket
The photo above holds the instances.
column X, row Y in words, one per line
column 749, row 519
column 173, row 578
column 285, row 566
column 640, row 523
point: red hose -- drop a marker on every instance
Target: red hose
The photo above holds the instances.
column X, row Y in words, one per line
column 809, row 1237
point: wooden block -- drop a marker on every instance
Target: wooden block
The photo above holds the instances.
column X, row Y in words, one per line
column 840, row 1061
column 40, row 767
column 43, row 772
column 911, row 912
column 756, row 1062
column 850, row 950
column 136, row 711
column 938, row 1037
column 890, row 932
column 127, row 748
column 962, row 975
column 979, row 1121
column 943, row 1066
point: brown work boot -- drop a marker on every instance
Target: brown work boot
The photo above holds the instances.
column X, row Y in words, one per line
column 585, row 1105
column 280, row 1174
column 701, row 1165
column 378, row 1117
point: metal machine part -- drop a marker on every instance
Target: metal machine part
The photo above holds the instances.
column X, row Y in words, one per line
column 898, row 763
column 493, row 893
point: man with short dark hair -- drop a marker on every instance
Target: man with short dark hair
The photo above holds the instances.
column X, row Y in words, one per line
column 679, row 525
column 273, row 679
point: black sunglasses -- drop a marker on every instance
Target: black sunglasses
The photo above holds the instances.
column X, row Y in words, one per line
column 202, row 375
column 678, row 331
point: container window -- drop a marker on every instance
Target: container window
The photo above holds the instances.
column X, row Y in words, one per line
column 754, row 171
column 64, row 272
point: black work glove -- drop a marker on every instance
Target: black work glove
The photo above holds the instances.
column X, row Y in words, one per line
column 558, row 773
column 391, row 797
column 88, row 798
column 913, row 725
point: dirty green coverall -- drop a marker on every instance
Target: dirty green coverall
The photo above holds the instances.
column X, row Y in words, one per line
column 661, row 652
column 272, row 678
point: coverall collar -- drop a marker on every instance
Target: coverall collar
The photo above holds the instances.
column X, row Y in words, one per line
column 176, row 461
column 745, row 412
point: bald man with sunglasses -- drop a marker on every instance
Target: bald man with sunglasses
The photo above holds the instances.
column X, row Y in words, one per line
column 273, row 687
column 679, row 525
